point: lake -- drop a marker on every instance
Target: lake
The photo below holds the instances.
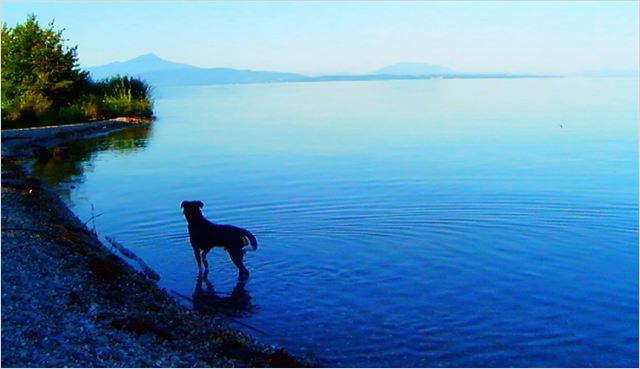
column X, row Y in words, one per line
column 468, row 223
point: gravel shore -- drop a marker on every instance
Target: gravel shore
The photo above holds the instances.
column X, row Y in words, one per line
column 68, row 301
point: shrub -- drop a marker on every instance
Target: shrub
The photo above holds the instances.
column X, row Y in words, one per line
column 70, row 114
column 123, row 106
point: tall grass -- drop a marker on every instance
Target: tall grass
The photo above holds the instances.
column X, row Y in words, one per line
column 123, row 86
column 124, row 96
column 120, row 96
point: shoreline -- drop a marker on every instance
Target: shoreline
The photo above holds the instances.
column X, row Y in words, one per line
column 18, row 142
column 67, row 300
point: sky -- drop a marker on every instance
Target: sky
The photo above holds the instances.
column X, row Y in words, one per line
column 351, row 37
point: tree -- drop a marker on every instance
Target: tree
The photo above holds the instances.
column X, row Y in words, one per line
column 39, row 72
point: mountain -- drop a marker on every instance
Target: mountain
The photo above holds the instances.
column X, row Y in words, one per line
column 160, row 72
column 134, row 67
column 413, row 69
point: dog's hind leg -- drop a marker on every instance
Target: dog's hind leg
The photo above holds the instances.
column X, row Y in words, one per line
column 204, row 260
column 236, row 256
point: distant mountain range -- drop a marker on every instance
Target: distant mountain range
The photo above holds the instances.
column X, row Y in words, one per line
column 160, row 72
column 610, row 73
column 413, row 69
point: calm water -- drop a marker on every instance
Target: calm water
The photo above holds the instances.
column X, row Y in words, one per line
column 408, row 223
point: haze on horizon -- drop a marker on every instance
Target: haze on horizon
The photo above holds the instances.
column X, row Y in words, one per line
column 351, row 37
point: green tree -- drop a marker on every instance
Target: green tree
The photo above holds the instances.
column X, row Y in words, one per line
column 39, row 72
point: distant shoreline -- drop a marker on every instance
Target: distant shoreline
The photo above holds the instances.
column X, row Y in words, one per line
column 389, row 77
column 218, row 76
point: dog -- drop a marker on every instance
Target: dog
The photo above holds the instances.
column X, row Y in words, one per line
column 205, row 235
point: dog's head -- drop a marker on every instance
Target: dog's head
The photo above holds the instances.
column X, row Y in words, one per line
column 191, row 209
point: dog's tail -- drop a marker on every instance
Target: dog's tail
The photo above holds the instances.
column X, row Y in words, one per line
column 250, row 240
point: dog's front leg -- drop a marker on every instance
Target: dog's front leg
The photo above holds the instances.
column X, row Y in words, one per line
column 204, row 260
column 196, row 252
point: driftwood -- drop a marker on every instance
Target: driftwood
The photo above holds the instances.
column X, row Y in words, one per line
column 146, row 270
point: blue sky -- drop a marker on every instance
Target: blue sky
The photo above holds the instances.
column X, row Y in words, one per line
column 351, row 37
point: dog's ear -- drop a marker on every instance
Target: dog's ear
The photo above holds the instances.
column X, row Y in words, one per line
column 200, row 204
column 183, row 204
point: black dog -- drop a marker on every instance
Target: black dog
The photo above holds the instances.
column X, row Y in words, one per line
column 204, row 235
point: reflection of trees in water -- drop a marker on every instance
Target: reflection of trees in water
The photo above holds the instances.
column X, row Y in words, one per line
column 82, row 152
column 130, row 140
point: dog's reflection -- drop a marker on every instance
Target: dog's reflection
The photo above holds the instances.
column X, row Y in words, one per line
column 237, row 303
